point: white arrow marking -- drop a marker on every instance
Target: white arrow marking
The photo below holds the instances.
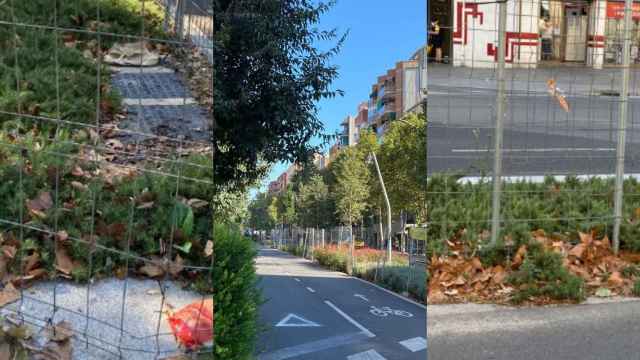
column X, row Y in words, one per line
column 361, row 297
column 300, row 322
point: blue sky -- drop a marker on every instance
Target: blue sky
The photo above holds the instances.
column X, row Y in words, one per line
column 381, row 32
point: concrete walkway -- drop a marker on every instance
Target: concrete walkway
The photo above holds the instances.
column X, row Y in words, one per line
column 592, row 331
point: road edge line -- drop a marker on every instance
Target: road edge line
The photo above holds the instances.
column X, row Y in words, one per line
column 362, row 280
column 350, row 319
column 390, row 292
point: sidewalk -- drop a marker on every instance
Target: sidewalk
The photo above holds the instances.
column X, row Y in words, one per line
column 573, row 80
column 599, row 329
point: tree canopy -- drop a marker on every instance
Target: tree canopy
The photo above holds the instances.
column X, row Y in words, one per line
column 268, row 77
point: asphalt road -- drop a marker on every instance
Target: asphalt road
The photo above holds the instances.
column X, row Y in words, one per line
column 581, row 332
column 312, row 313
column 539, row 137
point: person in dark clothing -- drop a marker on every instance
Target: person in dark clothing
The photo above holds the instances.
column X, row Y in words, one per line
column 435, row 35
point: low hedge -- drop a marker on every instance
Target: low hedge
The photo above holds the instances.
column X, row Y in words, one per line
column 236, row 296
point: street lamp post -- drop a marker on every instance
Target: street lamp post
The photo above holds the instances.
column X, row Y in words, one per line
column 386, row 199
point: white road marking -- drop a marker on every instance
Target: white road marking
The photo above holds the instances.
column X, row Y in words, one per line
column 159, row 102
column 296, row 279
column 367, row 355
column 144, row 70
column 349, row 319
column 415, row 344
column 534, row 150
column 388, row 291
column 300, row 322
column 310, row 289
column 313, row 347
column 361, row 297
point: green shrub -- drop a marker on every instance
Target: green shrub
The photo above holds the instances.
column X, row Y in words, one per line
column 401, row 279
column 543, row 274
column 236, row 296
column 636, row 288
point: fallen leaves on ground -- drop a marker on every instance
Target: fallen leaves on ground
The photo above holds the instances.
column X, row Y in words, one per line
column 456, row 278
column 8, row 294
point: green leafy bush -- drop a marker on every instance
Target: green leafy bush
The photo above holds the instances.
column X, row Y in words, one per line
column 543, row 274
column 401, row 279
column 236, row 296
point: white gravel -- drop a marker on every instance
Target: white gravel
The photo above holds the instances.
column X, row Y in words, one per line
column 102, row 330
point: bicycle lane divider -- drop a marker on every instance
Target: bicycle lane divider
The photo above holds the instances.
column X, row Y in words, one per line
column 297, row 321
column 400, row 325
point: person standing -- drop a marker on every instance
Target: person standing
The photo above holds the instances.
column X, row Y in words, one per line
column 436, row 39
column 546, row 38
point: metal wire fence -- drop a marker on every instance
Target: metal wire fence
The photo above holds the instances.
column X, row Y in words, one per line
column 532, row 121
column 361, row 252
column 105, row 172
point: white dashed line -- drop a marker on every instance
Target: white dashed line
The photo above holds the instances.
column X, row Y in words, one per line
column 367, row 355
column 349, row 319
column 296, row 279
column 144, row 70
column 310, row 289
column 159, row 102
column 415, row 344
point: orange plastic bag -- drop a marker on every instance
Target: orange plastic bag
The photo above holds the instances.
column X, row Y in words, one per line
column 193, row 324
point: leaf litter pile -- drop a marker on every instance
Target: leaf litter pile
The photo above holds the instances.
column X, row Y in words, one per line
column 70, row 193
column 549, row 269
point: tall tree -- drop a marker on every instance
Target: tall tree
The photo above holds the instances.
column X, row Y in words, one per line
column 351, row 190
column 315, row 206
column 268, row 76
column 402, row 159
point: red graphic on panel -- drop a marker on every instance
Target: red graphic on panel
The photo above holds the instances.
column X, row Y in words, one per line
column 596, row 41
column 519, row 39
column 462, row 29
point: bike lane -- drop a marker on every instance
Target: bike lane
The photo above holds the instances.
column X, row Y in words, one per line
column 371, row 323
column 400, row 326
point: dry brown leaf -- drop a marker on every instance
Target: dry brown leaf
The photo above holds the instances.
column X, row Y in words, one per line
column 31, row 261
column 55, row 350
column 176, row 266
column 42, row 203
column 615, row 279
column 152, row 269
column 578, row 250
column 9, row 251
column 499, row 274
column 62, row 236
column 63, row 331
column 208, row 249
column 64, row 263
column 77, row 171
column 585, row 238
column 519, row 257
column 8, row 294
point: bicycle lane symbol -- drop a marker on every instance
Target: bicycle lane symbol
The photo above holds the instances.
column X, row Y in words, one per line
column 385, row 311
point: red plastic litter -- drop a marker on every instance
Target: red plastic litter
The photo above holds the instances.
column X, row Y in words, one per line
column 193, row 324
